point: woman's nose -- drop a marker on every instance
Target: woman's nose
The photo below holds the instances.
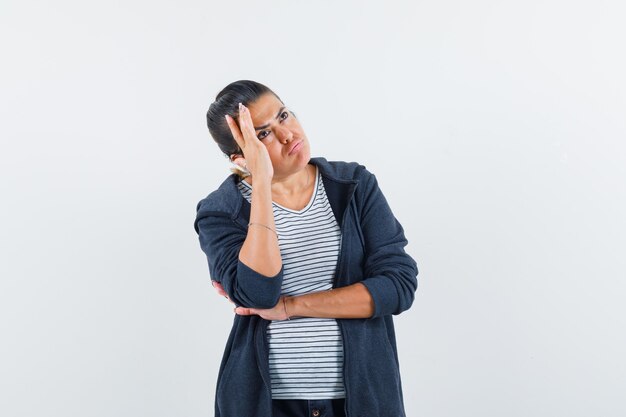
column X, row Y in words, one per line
column 284, row 135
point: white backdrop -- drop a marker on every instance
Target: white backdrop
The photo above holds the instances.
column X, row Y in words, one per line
column 496, row 130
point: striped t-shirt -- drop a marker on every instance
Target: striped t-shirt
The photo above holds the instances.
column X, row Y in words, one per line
column 306, row 353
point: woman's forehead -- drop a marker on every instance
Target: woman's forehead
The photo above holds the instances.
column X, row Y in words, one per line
column 265, row 109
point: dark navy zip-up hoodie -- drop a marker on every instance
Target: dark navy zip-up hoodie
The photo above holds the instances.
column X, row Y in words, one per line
column 371, row 252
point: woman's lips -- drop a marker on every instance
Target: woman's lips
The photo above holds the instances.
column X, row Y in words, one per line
column 296, row 148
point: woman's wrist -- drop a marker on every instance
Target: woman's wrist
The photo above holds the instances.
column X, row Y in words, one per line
column 284, row 300
column 265, row 182
column 290, row 306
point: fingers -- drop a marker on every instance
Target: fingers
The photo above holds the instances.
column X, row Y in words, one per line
column 234, row 129
column 243, row 132
column 244, row 311
column 245, row 124
column 220, row 290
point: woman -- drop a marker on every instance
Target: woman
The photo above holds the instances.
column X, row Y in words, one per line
column 312, row 256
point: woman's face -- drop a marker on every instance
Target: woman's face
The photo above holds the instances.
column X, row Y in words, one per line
column 281, row 133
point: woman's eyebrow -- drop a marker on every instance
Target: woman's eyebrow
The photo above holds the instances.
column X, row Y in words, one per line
column 276, row 117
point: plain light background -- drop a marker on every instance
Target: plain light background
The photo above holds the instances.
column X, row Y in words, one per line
column 496, row 130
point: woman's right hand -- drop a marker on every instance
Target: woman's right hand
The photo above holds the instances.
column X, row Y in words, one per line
column 220, row 290
column 257, row 159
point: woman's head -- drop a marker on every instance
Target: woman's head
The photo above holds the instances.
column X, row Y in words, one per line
column 276, row 126
column 227, row 102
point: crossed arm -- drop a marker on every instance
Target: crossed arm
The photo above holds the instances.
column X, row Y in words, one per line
column 388, row 285
column 261, row 255
column 349, row 302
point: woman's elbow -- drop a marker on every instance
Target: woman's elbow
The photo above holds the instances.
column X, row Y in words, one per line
column 407, row 287
column 255, row 290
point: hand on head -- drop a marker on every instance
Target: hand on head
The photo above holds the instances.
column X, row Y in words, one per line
column 257, row 160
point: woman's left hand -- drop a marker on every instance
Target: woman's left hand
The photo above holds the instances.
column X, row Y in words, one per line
column 275, row 313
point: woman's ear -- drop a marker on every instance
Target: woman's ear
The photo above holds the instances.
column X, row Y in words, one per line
column 240, row 168
column 238, row 160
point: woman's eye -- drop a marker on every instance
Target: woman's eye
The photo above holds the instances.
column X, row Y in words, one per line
column 263, row 134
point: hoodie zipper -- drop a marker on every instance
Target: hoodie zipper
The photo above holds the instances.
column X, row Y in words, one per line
column 263, row 333
column 343, row 333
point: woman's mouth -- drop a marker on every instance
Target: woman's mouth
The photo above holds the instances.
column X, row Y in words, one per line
column 295, row 148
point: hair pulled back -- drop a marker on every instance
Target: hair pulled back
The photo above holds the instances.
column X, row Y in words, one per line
column 227, row 102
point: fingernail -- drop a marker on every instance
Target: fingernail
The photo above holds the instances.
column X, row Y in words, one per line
column 226, row 117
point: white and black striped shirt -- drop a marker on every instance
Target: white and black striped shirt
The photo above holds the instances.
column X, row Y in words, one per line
column 306, row 353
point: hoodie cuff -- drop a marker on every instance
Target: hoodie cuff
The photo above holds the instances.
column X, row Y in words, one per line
column 383, row 293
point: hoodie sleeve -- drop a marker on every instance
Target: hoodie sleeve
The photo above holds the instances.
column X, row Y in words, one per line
column 221, row 240
column 390, row 273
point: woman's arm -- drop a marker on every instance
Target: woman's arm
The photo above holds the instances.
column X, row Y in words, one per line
column 390, row 280
column 349, row 302
column 260, row 250
column 246, row 262
column 221, row 239
column 390, row 274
